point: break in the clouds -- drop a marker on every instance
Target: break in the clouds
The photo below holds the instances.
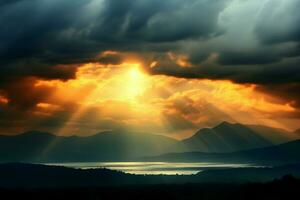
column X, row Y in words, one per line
column 244, row 41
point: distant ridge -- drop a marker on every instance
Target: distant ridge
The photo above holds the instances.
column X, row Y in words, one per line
column 286, row 153
column 37, row 146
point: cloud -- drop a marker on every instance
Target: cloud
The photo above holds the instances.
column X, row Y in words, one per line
column 23, row 94
column 110, row 59
column 59, row 32
column 48, row 39
column 259, row 45
column 43, row 34
column 285, row 71
column 247, row 42
column 279, row 22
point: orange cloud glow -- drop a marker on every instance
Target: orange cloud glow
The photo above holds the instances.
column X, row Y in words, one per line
column 125, row 96
column 3, row 100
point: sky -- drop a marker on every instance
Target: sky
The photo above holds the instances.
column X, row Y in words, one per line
column 78, row 67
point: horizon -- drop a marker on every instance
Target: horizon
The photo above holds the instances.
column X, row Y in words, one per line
column 294, row 133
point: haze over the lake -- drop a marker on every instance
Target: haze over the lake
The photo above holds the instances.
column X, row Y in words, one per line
column 79, row 67
column 153, row 168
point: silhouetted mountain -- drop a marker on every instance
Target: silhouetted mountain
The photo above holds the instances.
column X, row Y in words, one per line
column 243, row 175
column 279, row 154
column 279, row 189
column 16, row 175
column 284, row 189
column 36, row 146
column 297, row 132
column 227, row 137
column 19, row 175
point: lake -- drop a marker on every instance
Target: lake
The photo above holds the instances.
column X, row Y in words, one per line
column 153, row 167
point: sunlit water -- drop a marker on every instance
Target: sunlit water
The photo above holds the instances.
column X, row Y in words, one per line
column 152, row 167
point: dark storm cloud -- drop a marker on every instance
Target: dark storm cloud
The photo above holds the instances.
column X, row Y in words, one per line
column 157, row 21
column 46, row 38
column 29, row 39
column 286, row 71
column 279, row 22
column 56, row 32
column 7, row 2
column 19, row 70
column 24, row 95
column 244, row 41
column 42, row 34
column 112, row 59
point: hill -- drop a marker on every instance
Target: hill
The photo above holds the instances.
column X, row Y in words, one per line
column 274, row 155
column 286, row 187
column 30, row 176
column 244, row 175
column 36, row 146
column 227, row 137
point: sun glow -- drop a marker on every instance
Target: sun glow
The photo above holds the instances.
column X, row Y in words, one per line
column 126, row 82
column 135, row 82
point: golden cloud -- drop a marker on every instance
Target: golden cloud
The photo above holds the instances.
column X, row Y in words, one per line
column 105, row 97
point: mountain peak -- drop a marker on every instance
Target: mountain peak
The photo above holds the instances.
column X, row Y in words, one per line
column 227, row 136
column 224, row 124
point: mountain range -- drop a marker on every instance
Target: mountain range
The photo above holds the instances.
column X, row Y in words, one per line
column 35, row 146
